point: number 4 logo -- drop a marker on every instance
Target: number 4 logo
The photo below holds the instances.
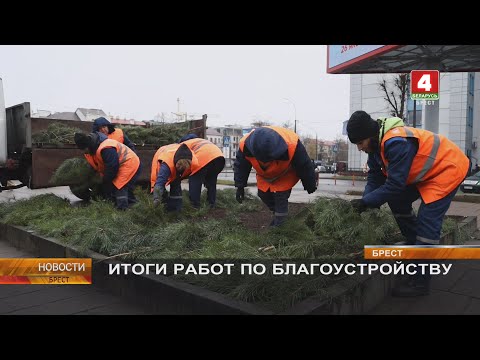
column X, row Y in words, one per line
column 424, row 84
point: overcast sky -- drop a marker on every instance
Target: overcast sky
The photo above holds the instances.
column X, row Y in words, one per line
column 233, row 84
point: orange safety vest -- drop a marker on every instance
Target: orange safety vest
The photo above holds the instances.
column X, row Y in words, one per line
column 203, row 151
column 117, row 134
column 91, row 160
column 128, row 161
column 164, row 154
column 279, row 175
column 438, row 167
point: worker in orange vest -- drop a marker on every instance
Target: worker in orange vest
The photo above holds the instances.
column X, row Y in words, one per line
column 166, row 171
column 406, row 164
column 280, row 160
column 197, row 159
column 186, row 137
column 106, row 127
column 119, row 166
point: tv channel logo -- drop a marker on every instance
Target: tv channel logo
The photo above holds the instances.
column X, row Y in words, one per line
column 424, row 84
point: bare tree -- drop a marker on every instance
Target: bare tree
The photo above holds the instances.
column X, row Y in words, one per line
column 258, row 123
column 396, row 96
column 342, row 149
column 309, row 144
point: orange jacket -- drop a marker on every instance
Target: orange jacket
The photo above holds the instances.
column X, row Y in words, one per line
column 203, row 151
column 164, row 154
column 438, row 167
column 279, row 175
column 117, row 134
column 92, row 162
column 128, row 162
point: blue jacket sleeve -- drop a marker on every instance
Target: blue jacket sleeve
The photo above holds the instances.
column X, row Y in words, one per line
column 110, row 159
column 162, row 176
column 303, row 166
column 400, row 153
column 375, row 177
column 241, row 169
column 128, row 142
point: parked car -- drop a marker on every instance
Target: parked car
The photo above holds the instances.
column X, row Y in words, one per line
column 330, row 168
column 321, row 169
column 471, row 184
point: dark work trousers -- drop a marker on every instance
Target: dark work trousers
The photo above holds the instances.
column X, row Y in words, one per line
column 174, row 201
column 426, row 227
column 125, row 196
column 207, row 175
column 131, row 186
column 277, row 202
column 403, row 212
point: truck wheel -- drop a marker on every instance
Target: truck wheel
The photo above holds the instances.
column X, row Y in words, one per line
column 82, row 192
column 27, row 177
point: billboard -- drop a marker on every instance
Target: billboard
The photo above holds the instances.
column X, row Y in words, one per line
column 342, row 56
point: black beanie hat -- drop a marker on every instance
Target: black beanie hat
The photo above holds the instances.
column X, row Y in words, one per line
column 361, row 126
column 82, row 140
column 183, row 152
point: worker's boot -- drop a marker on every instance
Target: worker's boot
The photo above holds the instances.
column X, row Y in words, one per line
column 415, row 285
column 278, row 220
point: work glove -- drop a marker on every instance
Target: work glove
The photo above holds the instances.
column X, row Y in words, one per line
column 312, row 190
column 358, row 205
column 157, row 195
column 240, row 194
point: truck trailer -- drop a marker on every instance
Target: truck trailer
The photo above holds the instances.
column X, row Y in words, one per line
column 26, row 163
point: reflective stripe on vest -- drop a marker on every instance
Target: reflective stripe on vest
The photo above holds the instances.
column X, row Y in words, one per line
column 128, row 161
column 271, row 180
column 430, row 160
column 203, row 152
column 438, row 167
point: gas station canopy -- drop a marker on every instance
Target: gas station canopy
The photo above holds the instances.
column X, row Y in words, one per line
column 363, row 59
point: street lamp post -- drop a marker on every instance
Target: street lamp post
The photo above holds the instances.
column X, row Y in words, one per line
column 295, row 108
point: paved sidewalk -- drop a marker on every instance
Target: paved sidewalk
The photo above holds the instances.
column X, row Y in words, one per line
column 58, row 299
column 457, row 293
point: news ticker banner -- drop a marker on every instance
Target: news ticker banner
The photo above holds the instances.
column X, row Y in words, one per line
column 401, row 252
column 45, row 271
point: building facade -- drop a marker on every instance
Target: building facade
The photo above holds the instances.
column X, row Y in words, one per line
column 215, row 137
